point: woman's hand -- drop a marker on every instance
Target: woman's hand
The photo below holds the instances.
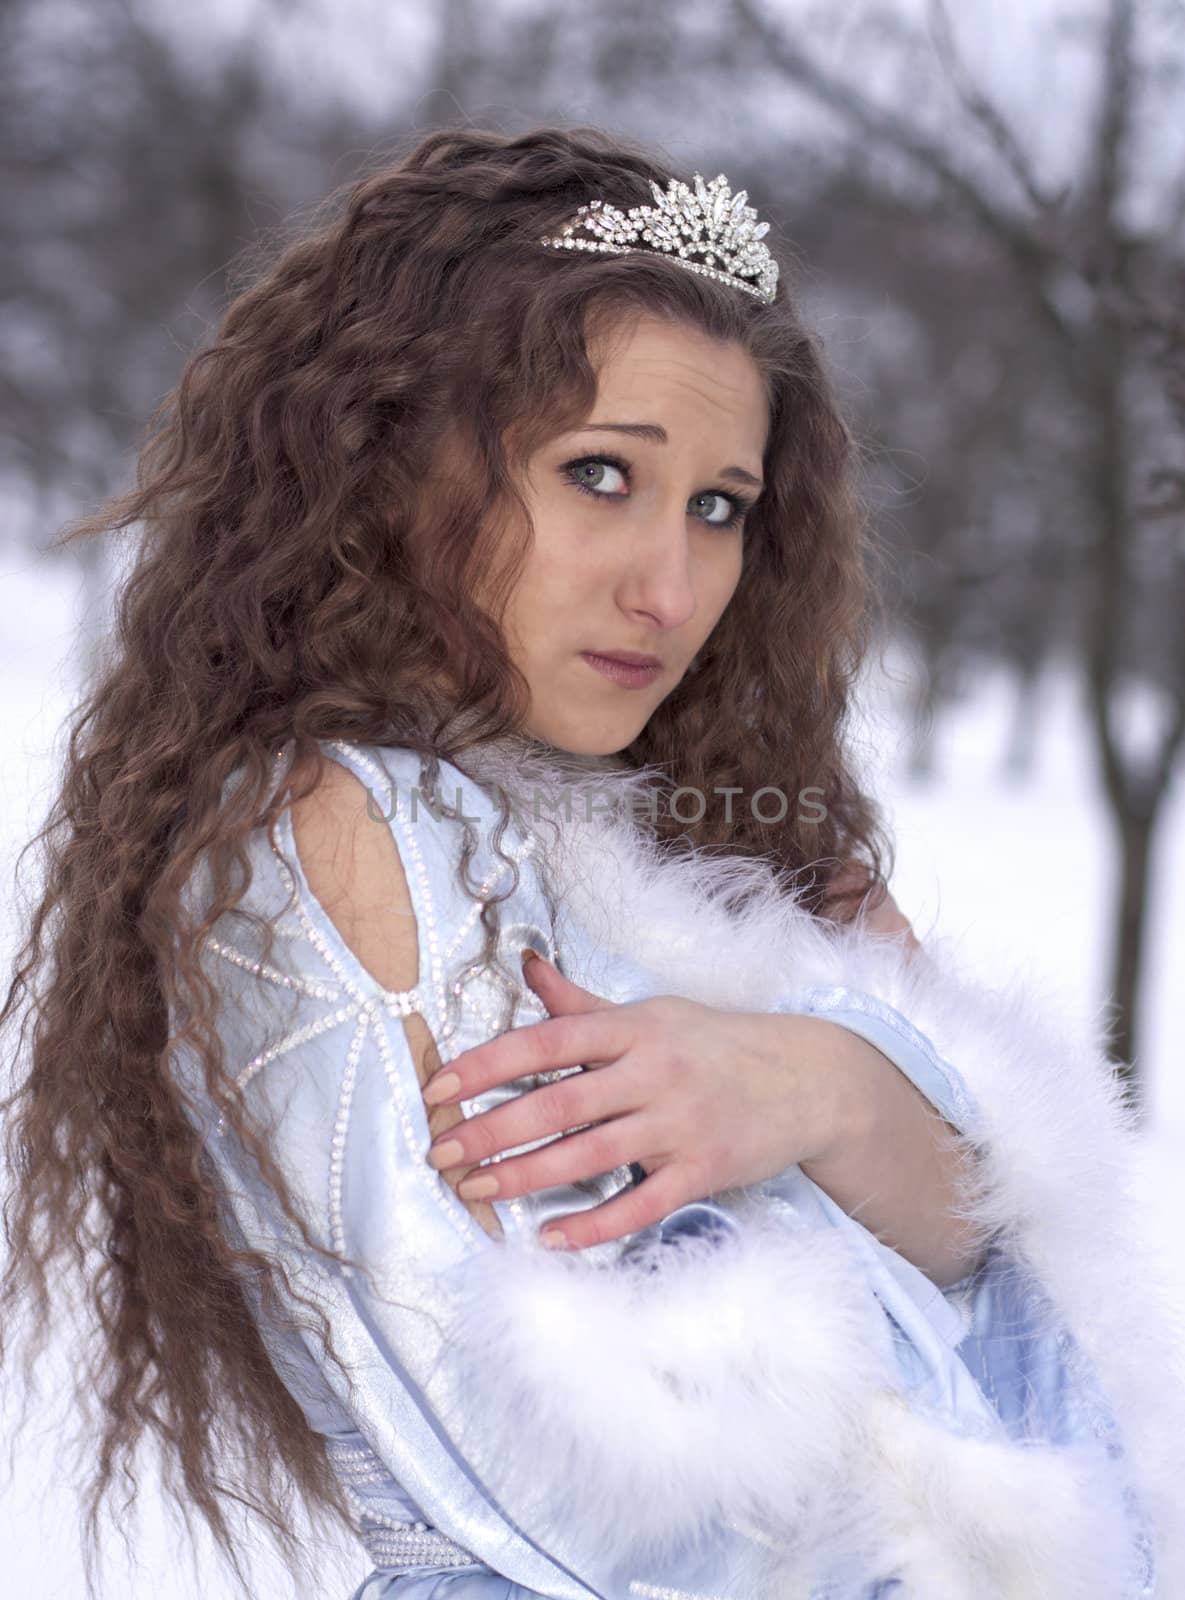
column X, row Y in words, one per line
column 703, row 1099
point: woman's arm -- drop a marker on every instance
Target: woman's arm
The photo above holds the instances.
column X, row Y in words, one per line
column 895, row 1164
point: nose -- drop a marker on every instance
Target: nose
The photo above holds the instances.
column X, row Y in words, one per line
column 659, row 582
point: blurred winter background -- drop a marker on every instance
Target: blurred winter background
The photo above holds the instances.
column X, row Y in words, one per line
column 988, row 204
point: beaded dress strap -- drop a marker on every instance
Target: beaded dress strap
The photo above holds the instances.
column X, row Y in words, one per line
column 389, row 1541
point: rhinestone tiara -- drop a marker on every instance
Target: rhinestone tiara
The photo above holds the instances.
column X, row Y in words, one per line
column 706, row 229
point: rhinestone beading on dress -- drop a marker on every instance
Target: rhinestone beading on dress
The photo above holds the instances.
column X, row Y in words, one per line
column 415, row 1545
column 360, row 1000
column 389, row 1541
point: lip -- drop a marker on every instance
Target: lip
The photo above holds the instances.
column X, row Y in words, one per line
column 628, row 658
column 632, row 672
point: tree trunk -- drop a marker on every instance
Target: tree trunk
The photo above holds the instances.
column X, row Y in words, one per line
column 1136, row 834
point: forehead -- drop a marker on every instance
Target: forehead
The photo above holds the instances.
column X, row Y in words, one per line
column 673, row 368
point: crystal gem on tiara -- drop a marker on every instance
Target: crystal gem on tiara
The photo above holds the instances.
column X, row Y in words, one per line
column 707, row 229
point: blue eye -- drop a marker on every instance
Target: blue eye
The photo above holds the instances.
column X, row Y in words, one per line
column 578, row 474
column 726, row 500
column 580, row 471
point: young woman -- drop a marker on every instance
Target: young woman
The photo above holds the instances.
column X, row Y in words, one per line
column 853, row 1301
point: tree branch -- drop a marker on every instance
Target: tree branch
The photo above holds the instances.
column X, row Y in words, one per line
column 1036, row 260
column 977, row 105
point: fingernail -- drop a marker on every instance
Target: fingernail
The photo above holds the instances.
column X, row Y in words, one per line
column 441, row 1088
column 448, row 1154
column 475, row 1188
column 553, row 1239
column 528, row 956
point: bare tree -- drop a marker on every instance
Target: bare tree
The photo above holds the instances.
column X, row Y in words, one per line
column 1080, row 265
column 132, row 180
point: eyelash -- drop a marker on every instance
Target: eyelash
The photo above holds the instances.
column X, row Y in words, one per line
column 741, row 505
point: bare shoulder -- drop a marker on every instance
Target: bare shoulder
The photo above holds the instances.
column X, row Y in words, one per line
column 351, row 861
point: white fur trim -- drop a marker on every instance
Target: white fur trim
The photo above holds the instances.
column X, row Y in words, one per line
column 1053, row 1181
column 693, row 1385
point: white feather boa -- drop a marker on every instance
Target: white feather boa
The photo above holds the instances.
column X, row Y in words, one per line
column 754, row 1384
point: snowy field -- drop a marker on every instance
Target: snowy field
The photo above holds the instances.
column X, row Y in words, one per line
column 1020, row 874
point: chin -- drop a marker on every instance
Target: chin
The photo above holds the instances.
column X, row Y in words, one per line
column 587, row 740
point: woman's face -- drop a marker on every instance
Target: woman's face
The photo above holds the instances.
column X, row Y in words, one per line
column 639, row 534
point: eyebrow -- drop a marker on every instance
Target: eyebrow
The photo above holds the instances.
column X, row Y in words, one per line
column 654, row 433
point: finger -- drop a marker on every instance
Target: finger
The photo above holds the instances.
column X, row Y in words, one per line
column 587, row 1038
column 576, row 1156
column 663, row 1191
column 569, row 1103
column 556, row 990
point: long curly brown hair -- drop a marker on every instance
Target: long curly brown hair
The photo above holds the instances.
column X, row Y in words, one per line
column 295, row 580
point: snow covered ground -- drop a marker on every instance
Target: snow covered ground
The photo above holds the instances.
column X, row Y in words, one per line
column 1020, row 874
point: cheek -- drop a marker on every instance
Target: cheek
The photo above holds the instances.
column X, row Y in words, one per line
column 726, row 575
column 552, row 587
column 562, row 566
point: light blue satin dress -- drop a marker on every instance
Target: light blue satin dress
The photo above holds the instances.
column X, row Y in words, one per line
column 353, row 1135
